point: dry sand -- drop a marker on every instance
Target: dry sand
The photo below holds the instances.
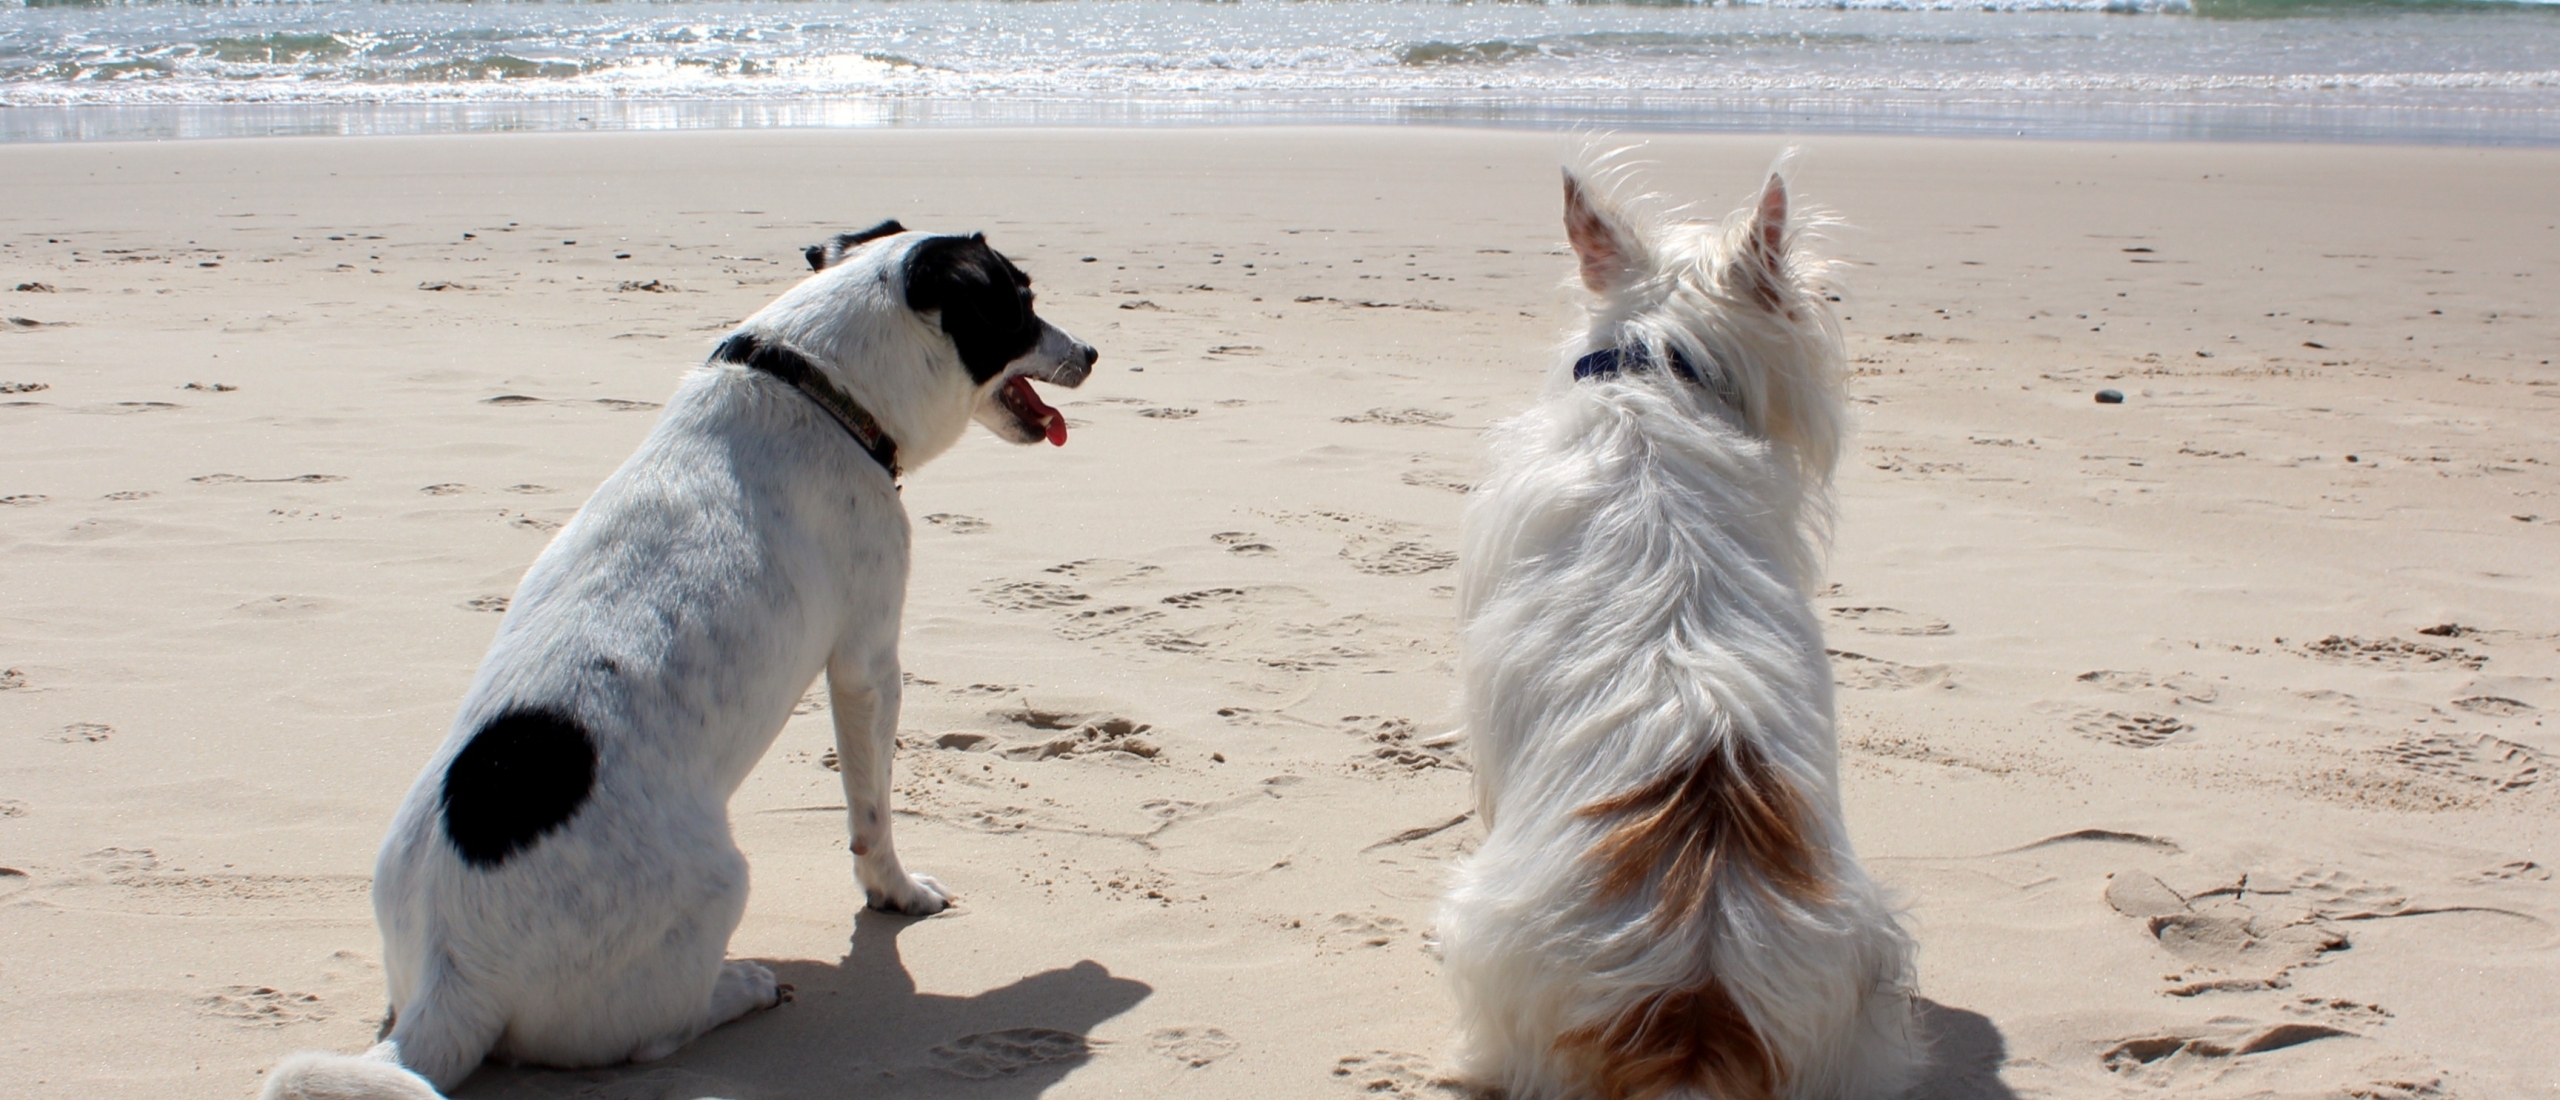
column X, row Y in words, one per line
column 2205, row 734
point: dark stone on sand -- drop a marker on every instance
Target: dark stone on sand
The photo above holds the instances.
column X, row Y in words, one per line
column 2110, row 397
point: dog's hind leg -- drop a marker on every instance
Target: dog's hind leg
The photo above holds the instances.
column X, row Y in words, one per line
column 444, row 1030
column 862, row 689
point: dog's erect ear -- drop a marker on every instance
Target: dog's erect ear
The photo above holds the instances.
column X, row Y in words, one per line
column 984, row 302
column 1764, row 254
column 821, row 256
column 1600, row 241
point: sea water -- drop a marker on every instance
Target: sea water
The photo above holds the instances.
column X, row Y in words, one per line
column 2354, row 70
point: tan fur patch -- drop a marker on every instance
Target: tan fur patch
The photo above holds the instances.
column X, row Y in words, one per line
column 1693, row 1038
column 1675, row 832
column 1687, row 823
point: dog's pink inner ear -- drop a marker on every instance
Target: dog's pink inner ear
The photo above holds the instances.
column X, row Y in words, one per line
column 1764, row 263
column 1597, row 242
column 1772, row 221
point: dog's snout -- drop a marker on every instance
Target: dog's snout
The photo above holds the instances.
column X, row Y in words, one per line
column 1091, row 356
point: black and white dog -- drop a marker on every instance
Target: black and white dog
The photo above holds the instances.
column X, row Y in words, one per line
column 560, row 886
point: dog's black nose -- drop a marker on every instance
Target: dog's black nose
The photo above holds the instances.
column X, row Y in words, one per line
column 1091, row 356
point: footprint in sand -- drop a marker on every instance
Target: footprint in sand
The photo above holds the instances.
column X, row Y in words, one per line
column 2227, row 944
column 2497, row 707
column 2173, row 1059
column 1407, row 417
column 1444, row 480
column 131, row 494
column 1395, row 1073
column 286, row 607
column 11, row 679
column 1064, row 733
column 22, row 500
column 2183, row 686
column 2494, row 706
column 1890, row 620
column 1168, row 413
column 10, row 807
column 1030, row 596
column 1347, row 931
column 262, row 1006
column 1243, row 542
column 1102, row 622
column 485, row 603
column 511, row 399
column 530, row 489
column 134, row 880
column 2521, row 870
column 444, row 489
column 1859, row 672
column 2390, row 652
column 956, row 523
column 624, row 404
column 83, row 733
column 1192, row 1046
column 2252, row 934
column 1105, row 571
column 296, row 479
column 1203, row 598
column 991, row 1054
column 1389, row 744
column 2133, row 731
column 2339, row 1012
column 1396, row 559
column 2495, row 763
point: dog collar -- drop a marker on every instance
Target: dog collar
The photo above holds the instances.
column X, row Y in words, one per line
column 803, row 375
column 1609, row 361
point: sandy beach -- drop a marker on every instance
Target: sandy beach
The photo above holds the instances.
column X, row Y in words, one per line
column 2209, row 736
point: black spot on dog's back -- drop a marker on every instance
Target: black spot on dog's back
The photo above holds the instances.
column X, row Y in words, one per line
column 523, row 775
column 984, row 300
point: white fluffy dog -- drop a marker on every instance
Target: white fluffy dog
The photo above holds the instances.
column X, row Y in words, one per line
column 560, row 886
column 1666, row 904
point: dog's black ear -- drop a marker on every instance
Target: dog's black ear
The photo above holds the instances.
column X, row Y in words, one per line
column 821, row 256
column 1764, row 252
column 983, row 301
column 1604, row 247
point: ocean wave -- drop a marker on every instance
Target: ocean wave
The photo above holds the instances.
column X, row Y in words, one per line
column 1403, row 51
column 505, row 77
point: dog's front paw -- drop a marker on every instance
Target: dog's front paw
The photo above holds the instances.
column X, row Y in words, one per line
column 752, row 984
column 916, row 896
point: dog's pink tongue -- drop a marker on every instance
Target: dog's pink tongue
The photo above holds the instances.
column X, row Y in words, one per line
column 1051, row 422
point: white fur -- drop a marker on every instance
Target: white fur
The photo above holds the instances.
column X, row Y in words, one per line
column 1634, row 592
column 748, row 545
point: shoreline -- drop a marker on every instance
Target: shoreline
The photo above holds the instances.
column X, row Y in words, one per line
column 2485, row 121
column 2264, row 654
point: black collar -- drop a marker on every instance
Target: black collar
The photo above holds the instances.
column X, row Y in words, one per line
column 792, row 367
column 1609, row 361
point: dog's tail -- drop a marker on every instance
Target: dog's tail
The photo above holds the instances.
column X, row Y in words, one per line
column 378, row 1075
column 438, row 1037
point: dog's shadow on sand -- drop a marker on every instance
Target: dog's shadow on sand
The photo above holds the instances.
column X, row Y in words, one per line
column 858, row 1028
column 1966, row 1051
